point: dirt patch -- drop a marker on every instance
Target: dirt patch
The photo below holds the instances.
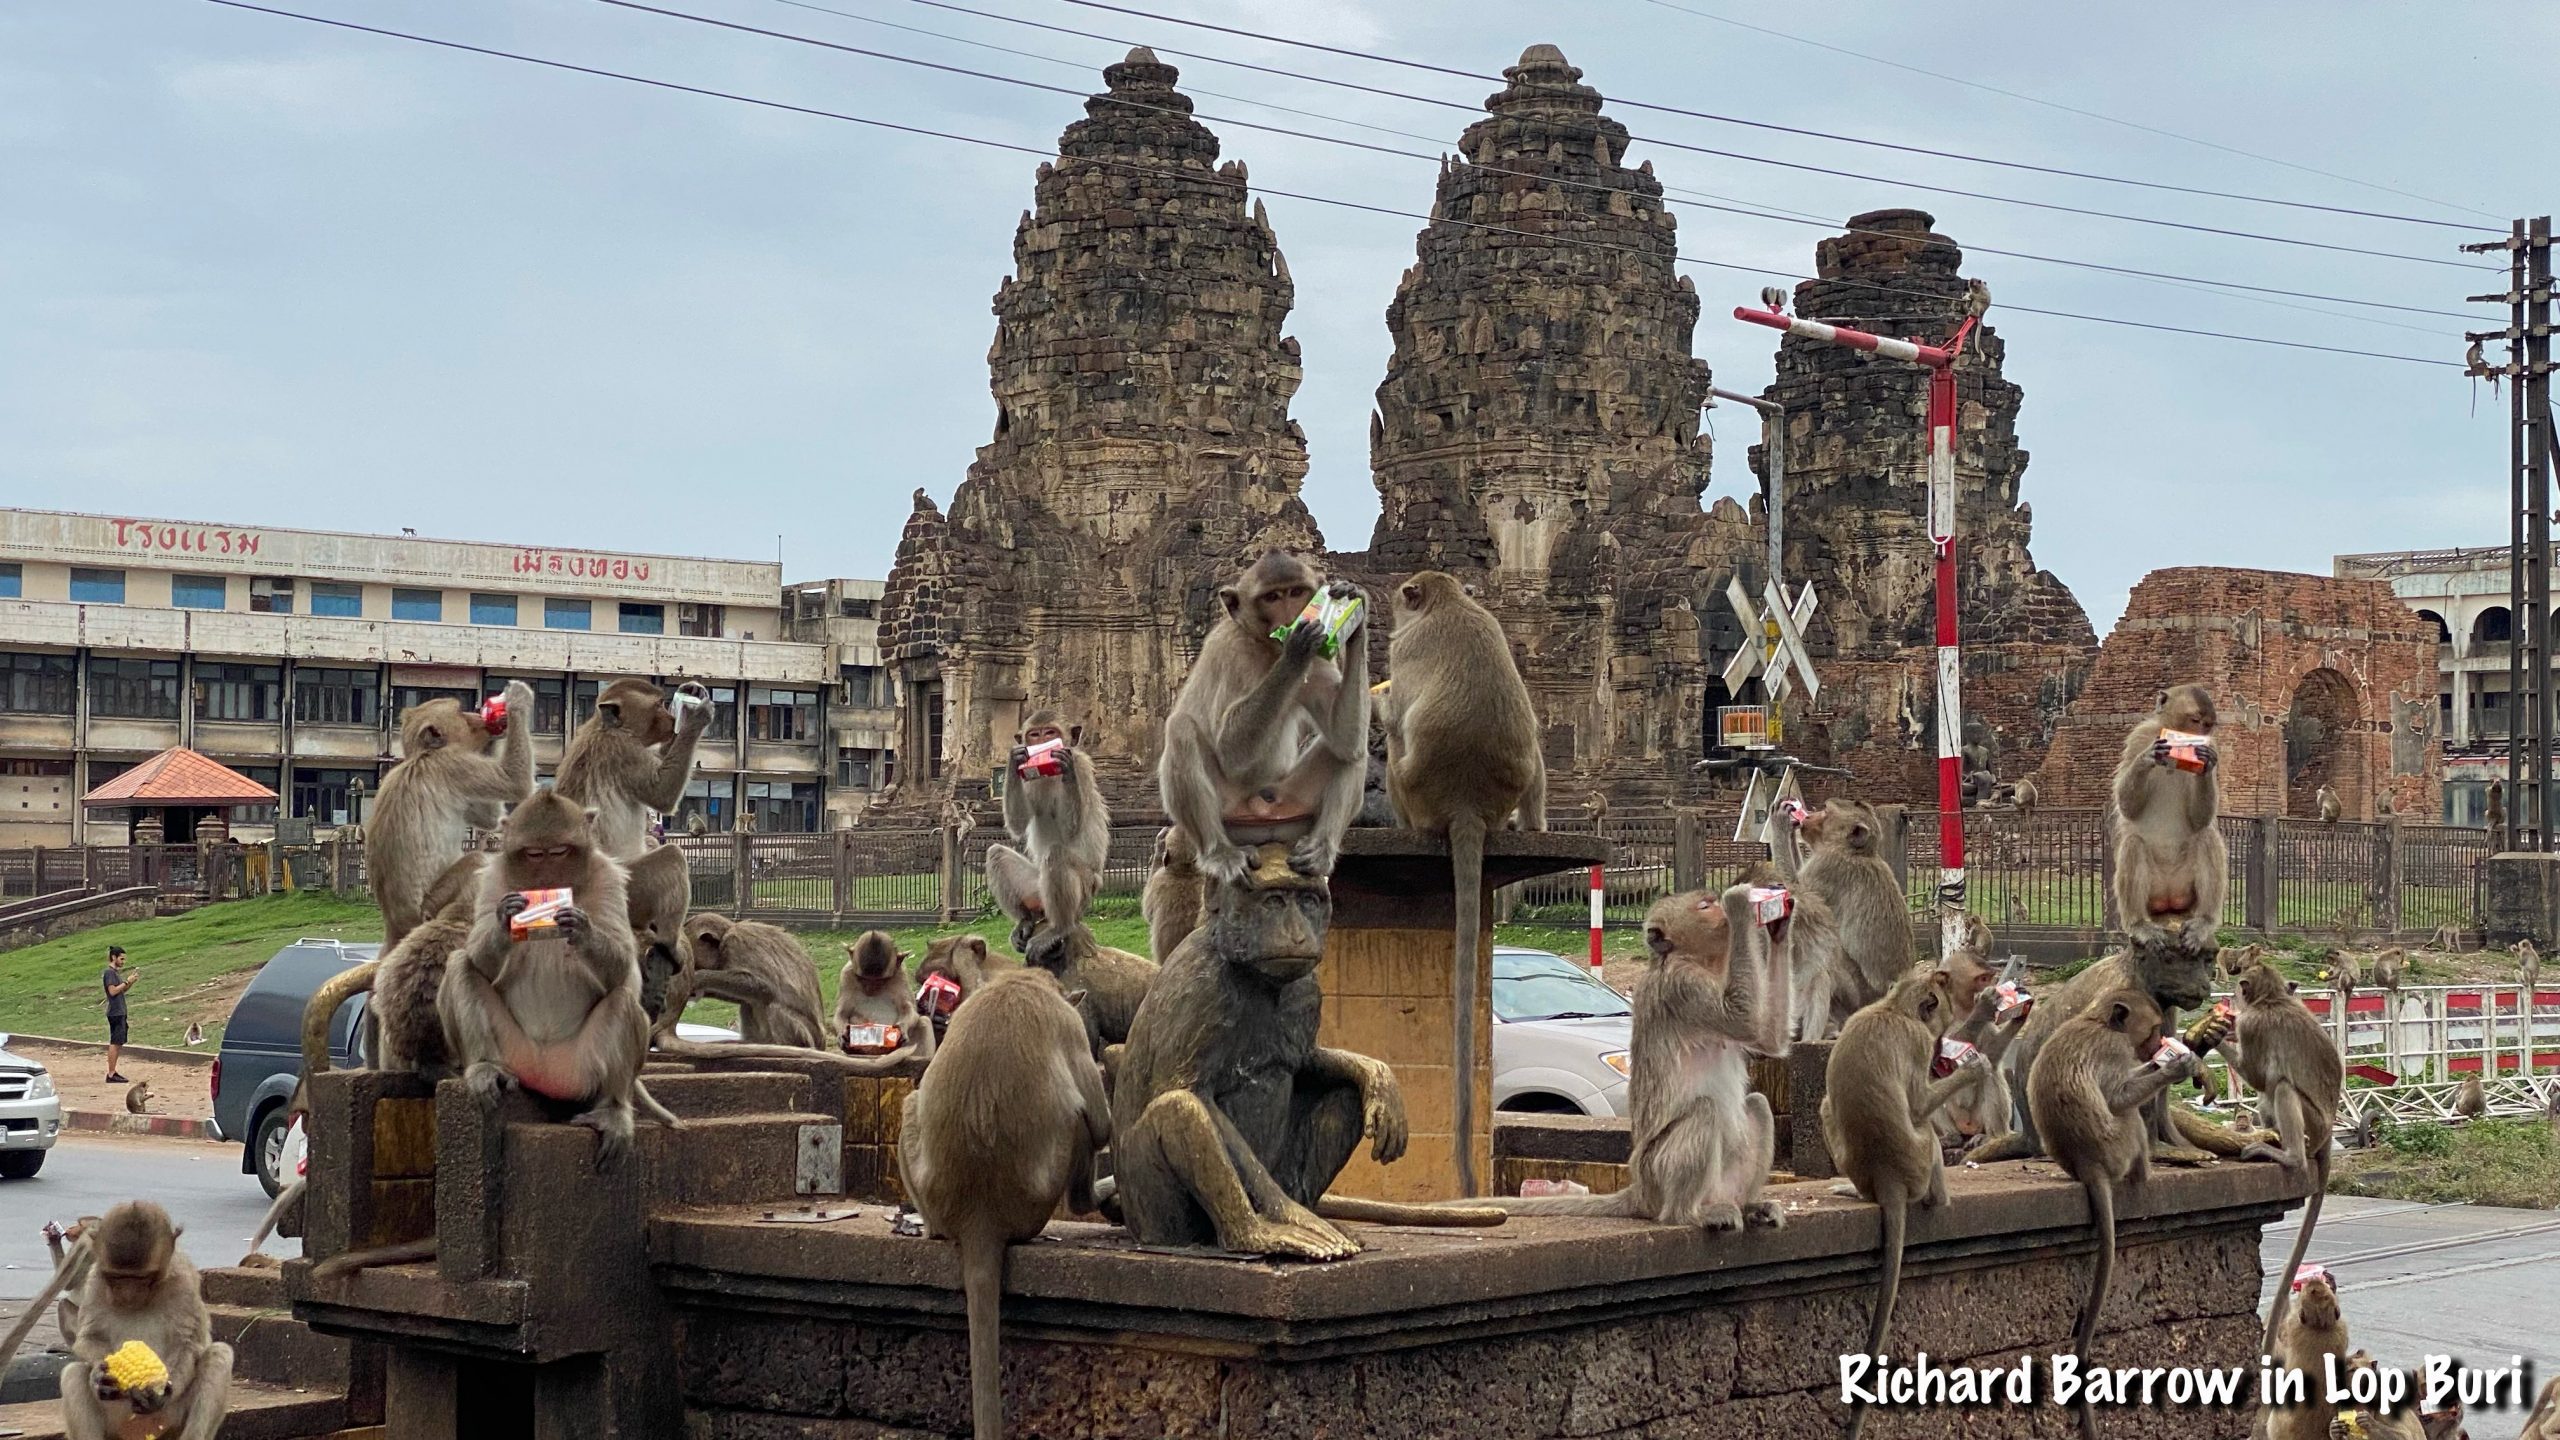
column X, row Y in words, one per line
column 180, row 1088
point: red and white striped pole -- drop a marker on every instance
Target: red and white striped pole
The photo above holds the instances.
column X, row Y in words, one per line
column 1941, row 362
column 1597, row 905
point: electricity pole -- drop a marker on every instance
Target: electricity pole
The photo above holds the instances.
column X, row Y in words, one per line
column 2529, row 710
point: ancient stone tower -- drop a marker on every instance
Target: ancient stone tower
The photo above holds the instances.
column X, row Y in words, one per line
column 1857, row 519
column 1143, row 449
column 1538, row 429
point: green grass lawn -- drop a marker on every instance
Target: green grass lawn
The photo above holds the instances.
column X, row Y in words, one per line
column 2486, row 1162
column 186, row 966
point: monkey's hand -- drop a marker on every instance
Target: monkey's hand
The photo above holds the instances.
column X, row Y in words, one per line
column 573, row 924
column 1020, row 757
column 2160, row 752
column 146, row 1399
column 1300, row 647
column 1345, row 590
column 104, row 1385
column 511, row 904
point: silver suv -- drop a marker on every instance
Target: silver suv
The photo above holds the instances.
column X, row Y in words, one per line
column 1560, row 1037
column 30, row 1114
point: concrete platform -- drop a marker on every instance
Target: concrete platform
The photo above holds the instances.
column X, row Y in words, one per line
column 258, row 1412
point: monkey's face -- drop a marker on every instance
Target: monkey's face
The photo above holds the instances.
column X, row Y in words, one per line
column 2262, row 984
column 441, row 723
column 1269, row 595
column 875, row 958
column 2132, row 1014
column 1692, row 929
column 2317, row 1302
column 1275, row 928
column 1850, row 822
column 637, row 707
column 2188, row 708
column 962, row 957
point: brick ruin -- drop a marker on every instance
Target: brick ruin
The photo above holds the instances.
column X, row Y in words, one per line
column 2317, row 680
column 1537, row 432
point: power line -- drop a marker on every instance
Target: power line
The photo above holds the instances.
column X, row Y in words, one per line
column 1705, row 199
column 1046, row 153
column 2096, row 115
column 1624, row 103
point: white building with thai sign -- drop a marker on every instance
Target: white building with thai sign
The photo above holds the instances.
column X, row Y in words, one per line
column 289, row 655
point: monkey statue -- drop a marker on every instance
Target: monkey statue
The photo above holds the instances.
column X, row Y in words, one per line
column 140, row 1287
column 554, row 1010
column 1064, row 830
column 1230, row 1119
column 1003, row 1125
column 1462, row 759
column 1267, row 740
column 2171, row 863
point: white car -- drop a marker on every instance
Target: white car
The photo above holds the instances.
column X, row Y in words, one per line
column 1560, row 1037
column 30, row 1114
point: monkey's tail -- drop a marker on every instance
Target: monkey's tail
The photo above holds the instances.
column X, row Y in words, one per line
column 405, row 1253
column 1389, row 1212
column 1466, row 869
column 323, row 1007
column 286, row 1199
column 74, row 1266
column 1896, row 1210
column 2102, row 1212
column 648, row 1106
column 982, row 1287
column 2301, row 1243
column 1616, row 1205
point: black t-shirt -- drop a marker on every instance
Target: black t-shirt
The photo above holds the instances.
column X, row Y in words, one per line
column 115, row 1000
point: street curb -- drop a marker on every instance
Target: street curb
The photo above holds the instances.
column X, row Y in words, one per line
column 160, row 1053
column 112, row 1124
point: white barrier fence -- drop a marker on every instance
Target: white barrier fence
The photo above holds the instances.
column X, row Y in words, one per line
column 2408, row 1053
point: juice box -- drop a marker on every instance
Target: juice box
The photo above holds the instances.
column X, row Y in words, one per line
column 1045, row 758
column 873, row 1039
column 1771, row 905
column 540, row 915
column 2170, row 1051
column 1952, row 1052
column 938, row 995
column 2187, row 751
column 2013, row 994
column 1332, row 614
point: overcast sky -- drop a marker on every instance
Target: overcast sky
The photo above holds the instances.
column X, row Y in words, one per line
column 256, row 270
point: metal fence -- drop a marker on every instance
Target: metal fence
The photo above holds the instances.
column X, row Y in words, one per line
column 2048, row 872
column 2409, row 1052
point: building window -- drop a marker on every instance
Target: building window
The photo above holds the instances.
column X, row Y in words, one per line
column 854, row 768
column 199, row 592
column 568, row 614
column 866, row 687
column 724, row 713
column 331, row 598
column 133, row 689
column 335, row 697
column 425, row 605
column 322, row 795
column 857, row 608
column 96, row 587
column 783, row 807
column 266, row 775
column 405, row 698
column 270, row 596
column 644, row 619
column 550, row 701
column 781, row 714
column 701, row 620
column 582, row 700
column 713, row 800
column 39, row 684
column 12, row 580
column 888, row 768
column 493, row 609
column 240, row 692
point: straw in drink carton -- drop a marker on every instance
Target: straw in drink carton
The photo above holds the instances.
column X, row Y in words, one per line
column 1333, row 615
column 2187, row 751
column 541, row 913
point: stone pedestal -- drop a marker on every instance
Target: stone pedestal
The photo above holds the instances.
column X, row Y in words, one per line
column 1393, row 991
column 2523, row 901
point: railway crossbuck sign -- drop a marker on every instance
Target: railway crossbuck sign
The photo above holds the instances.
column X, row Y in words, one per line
column 1773, row 644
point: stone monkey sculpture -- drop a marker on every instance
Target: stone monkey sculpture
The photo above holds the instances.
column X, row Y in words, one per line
column 1065, row 833
column 1267, row 741
column 1171, row 903
column 1231, row 1120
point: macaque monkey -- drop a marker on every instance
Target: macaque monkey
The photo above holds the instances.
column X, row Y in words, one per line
column 2528, row 974
column 631, row 757
column 660, row 891
column 2544, row 1422
column 1065, row 834
column 2346, row 974
column 2330, row 809
column 1703, row 1138
column 453, row 777
column 1171, row 903
column 1595, row 810
column 2493, row 817
column 137, row 1098
column 968, row 963
column 2386, row 969
column 2287, row 1057
column 873, row 990
column 1462, row 759
column 765, row 973
column 2448, row 938
column 2087, row 1091
column 2171, row 863
column 2025, row 796
column 1004, row 1124
column 1108, row 984
column 141, row 1288
column 1267, row 740
column 2311, row 1339
column 557, row 1013
column 1813, row 939
column 2383, row 808
column 2472, row 1100
column 1855, row 884
column 1980, row 1107
column 1877, row 1105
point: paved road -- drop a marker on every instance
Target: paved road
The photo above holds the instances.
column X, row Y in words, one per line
column 199, row 1182
column 2479, row 1284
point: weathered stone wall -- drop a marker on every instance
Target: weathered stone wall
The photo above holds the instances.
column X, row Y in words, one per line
column 1857, row 520
column 1143, row 446
column 1538, row 430
column 2353, row 667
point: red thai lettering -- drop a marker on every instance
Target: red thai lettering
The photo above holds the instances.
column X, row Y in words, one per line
column 121, row 527
column 249, row 542
column 640, row 569
column 621, row 568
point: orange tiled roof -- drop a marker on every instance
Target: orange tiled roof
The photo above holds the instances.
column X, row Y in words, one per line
column 180, row 776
